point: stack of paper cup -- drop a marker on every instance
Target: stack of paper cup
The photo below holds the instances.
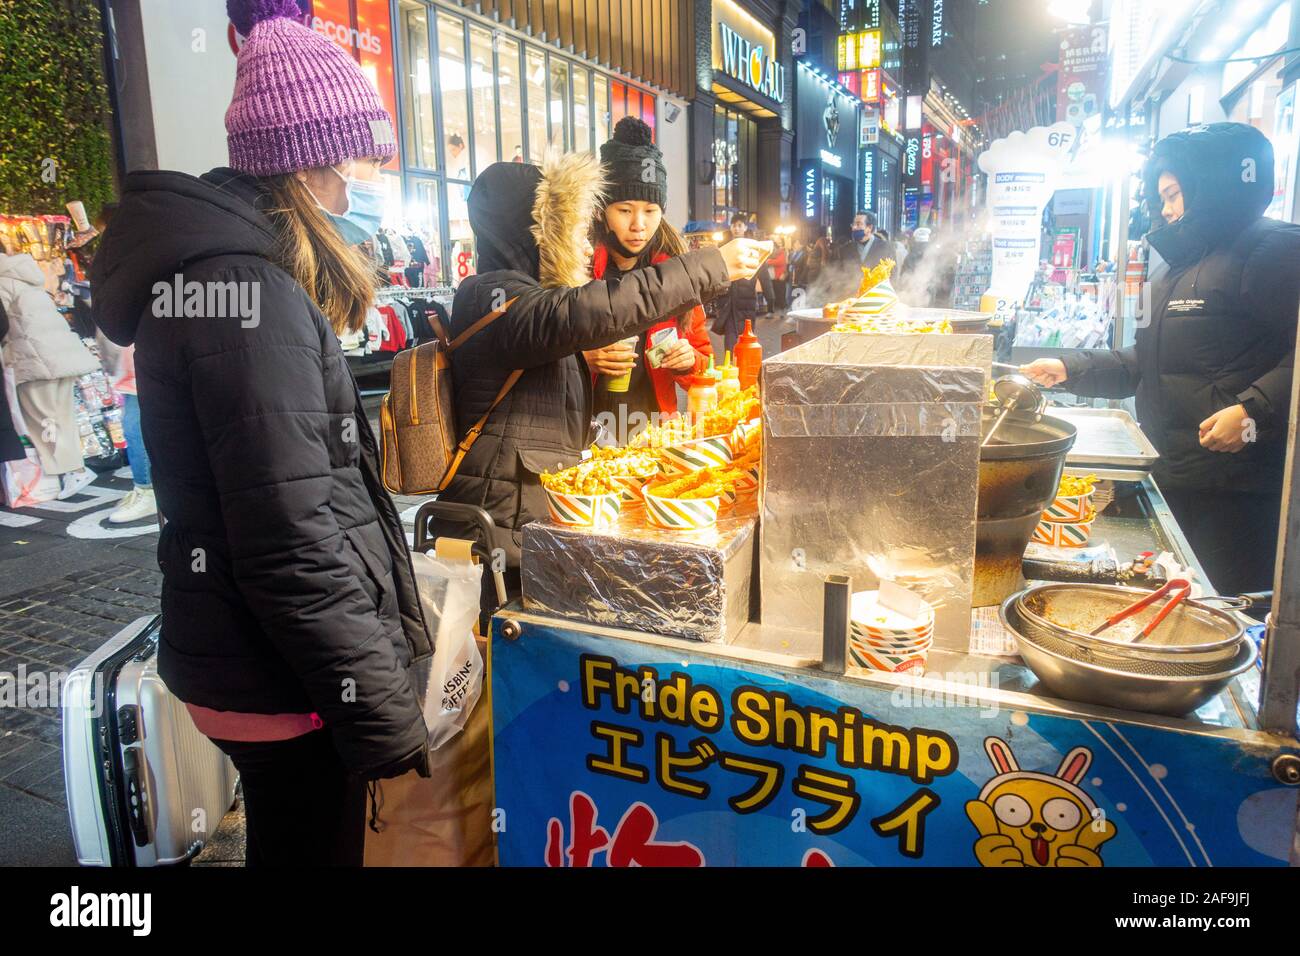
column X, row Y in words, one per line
column 882, row 639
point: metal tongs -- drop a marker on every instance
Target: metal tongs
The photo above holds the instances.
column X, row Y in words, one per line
column 1183, row 588
column 1015, row 393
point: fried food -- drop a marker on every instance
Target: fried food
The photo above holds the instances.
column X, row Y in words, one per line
column 889, row 324
column 631, row 462
column 672, row 432
column 1073, row 486
column 874, row 275
column 730, row 412
column 705, row 483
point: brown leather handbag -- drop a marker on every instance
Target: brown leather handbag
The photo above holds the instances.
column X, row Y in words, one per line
column 419, row 454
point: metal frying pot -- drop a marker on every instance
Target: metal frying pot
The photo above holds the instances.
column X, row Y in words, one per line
column 1020, row 471
column 1174, row 695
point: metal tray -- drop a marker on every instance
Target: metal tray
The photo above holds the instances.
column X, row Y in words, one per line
column 1108, row 437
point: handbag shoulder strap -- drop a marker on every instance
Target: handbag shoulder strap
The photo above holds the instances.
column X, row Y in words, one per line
column 471, row 436
column 466, row 443
column 479, row 326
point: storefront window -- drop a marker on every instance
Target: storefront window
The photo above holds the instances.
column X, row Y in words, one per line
column 561, row 124
column 617, row 104
column 735, row 147
column 535, row 71
column 484, row 99
column 512, row 115
column 417, row 87
column 600, row 105
column 455, row 101
column 422, row 217
column 581, row 111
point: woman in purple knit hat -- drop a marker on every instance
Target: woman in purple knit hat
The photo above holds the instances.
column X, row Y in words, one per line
column 290, row 614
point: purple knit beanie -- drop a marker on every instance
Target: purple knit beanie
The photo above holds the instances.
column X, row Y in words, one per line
column 300, row 100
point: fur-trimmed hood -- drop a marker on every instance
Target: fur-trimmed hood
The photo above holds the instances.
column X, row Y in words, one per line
column 535, row 220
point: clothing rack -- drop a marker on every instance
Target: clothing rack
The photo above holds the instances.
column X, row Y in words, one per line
column 438, row 292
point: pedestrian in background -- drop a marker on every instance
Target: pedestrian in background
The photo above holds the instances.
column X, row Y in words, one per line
column 46, row 358
column 11, row 445
column 740, row 302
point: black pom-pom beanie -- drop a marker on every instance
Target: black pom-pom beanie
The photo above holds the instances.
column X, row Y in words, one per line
column 634, row 166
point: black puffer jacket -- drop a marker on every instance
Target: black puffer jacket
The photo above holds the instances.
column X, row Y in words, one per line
column 287, row 587
column 1222, row 317
column 545, row 422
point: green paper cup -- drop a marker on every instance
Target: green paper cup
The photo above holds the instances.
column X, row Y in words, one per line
column 623, row 382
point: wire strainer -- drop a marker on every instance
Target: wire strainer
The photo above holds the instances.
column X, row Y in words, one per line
column 1185, row 665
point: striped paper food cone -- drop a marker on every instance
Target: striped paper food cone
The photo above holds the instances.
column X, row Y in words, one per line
column 631, row 486
column 1069, row 508
column 1064, row 534
column 748, row 484
column 693, row 455
column 878, row 300
column 682, row 514
column 744, row 435
column 584, row 511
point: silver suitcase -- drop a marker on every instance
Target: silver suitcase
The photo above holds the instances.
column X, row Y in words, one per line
column 144, row 787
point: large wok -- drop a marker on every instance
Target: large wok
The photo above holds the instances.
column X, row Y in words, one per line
column 1020, row 471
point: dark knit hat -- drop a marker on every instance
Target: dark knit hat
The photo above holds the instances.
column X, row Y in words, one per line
column 634, row 166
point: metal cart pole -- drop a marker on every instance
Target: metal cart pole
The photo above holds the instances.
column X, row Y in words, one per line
column 1280, row 684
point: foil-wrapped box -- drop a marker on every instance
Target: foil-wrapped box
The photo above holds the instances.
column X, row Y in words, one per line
column 689, row 584
column 871, row 469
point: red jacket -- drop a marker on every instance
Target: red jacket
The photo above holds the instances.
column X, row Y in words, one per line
column 694, row 328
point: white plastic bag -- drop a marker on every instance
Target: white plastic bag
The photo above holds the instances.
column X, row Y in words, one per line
column 453, row 681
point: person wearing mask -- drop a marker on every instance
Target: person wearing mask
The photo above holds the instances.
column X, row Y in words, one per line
column 631, row 233
column 1213, row 360
column 46, row 358
column 290, row 617
column 863, row 249
column 740, row 304
column 530, row 226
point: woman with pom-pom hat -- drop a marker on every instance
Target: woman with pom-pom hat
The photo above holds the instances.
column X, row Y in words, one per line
column 290, row 615
column 632, row 233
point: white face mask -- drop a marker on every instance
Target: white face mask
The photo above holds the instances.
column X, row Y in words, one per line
column 367, row 204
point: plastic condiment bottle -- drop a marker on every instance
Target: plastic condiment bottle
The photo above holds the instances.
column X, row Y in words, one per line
column 702, row 397
column 730, row 383
column 749, row 356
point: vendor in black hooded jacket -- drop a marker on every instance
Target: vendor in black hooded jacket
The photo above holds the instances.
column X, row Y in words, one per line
column 1212, row 367
column 531, row 229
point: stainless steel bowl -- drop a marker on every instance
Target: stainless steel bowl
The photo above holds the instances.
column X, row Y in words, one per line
column 1146, row 693
column 1071, row 611
column 1130, row 660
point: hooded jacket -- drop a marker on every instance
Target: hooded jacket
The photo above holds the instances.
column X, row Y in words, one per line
column 1222, row 316
column 287, row 586
column 530, row 225
column 40, row 346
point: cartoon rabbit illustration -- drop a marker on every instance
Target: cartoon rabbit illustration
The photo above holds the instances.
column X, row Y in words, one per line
column 1026, row 818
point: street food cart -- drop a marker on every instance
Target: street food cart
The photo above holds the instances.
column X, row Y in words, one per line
column 758, row 742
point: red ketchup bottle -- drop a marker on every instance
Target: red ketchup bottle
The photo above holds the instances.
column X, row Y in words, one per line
column 749, row 356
